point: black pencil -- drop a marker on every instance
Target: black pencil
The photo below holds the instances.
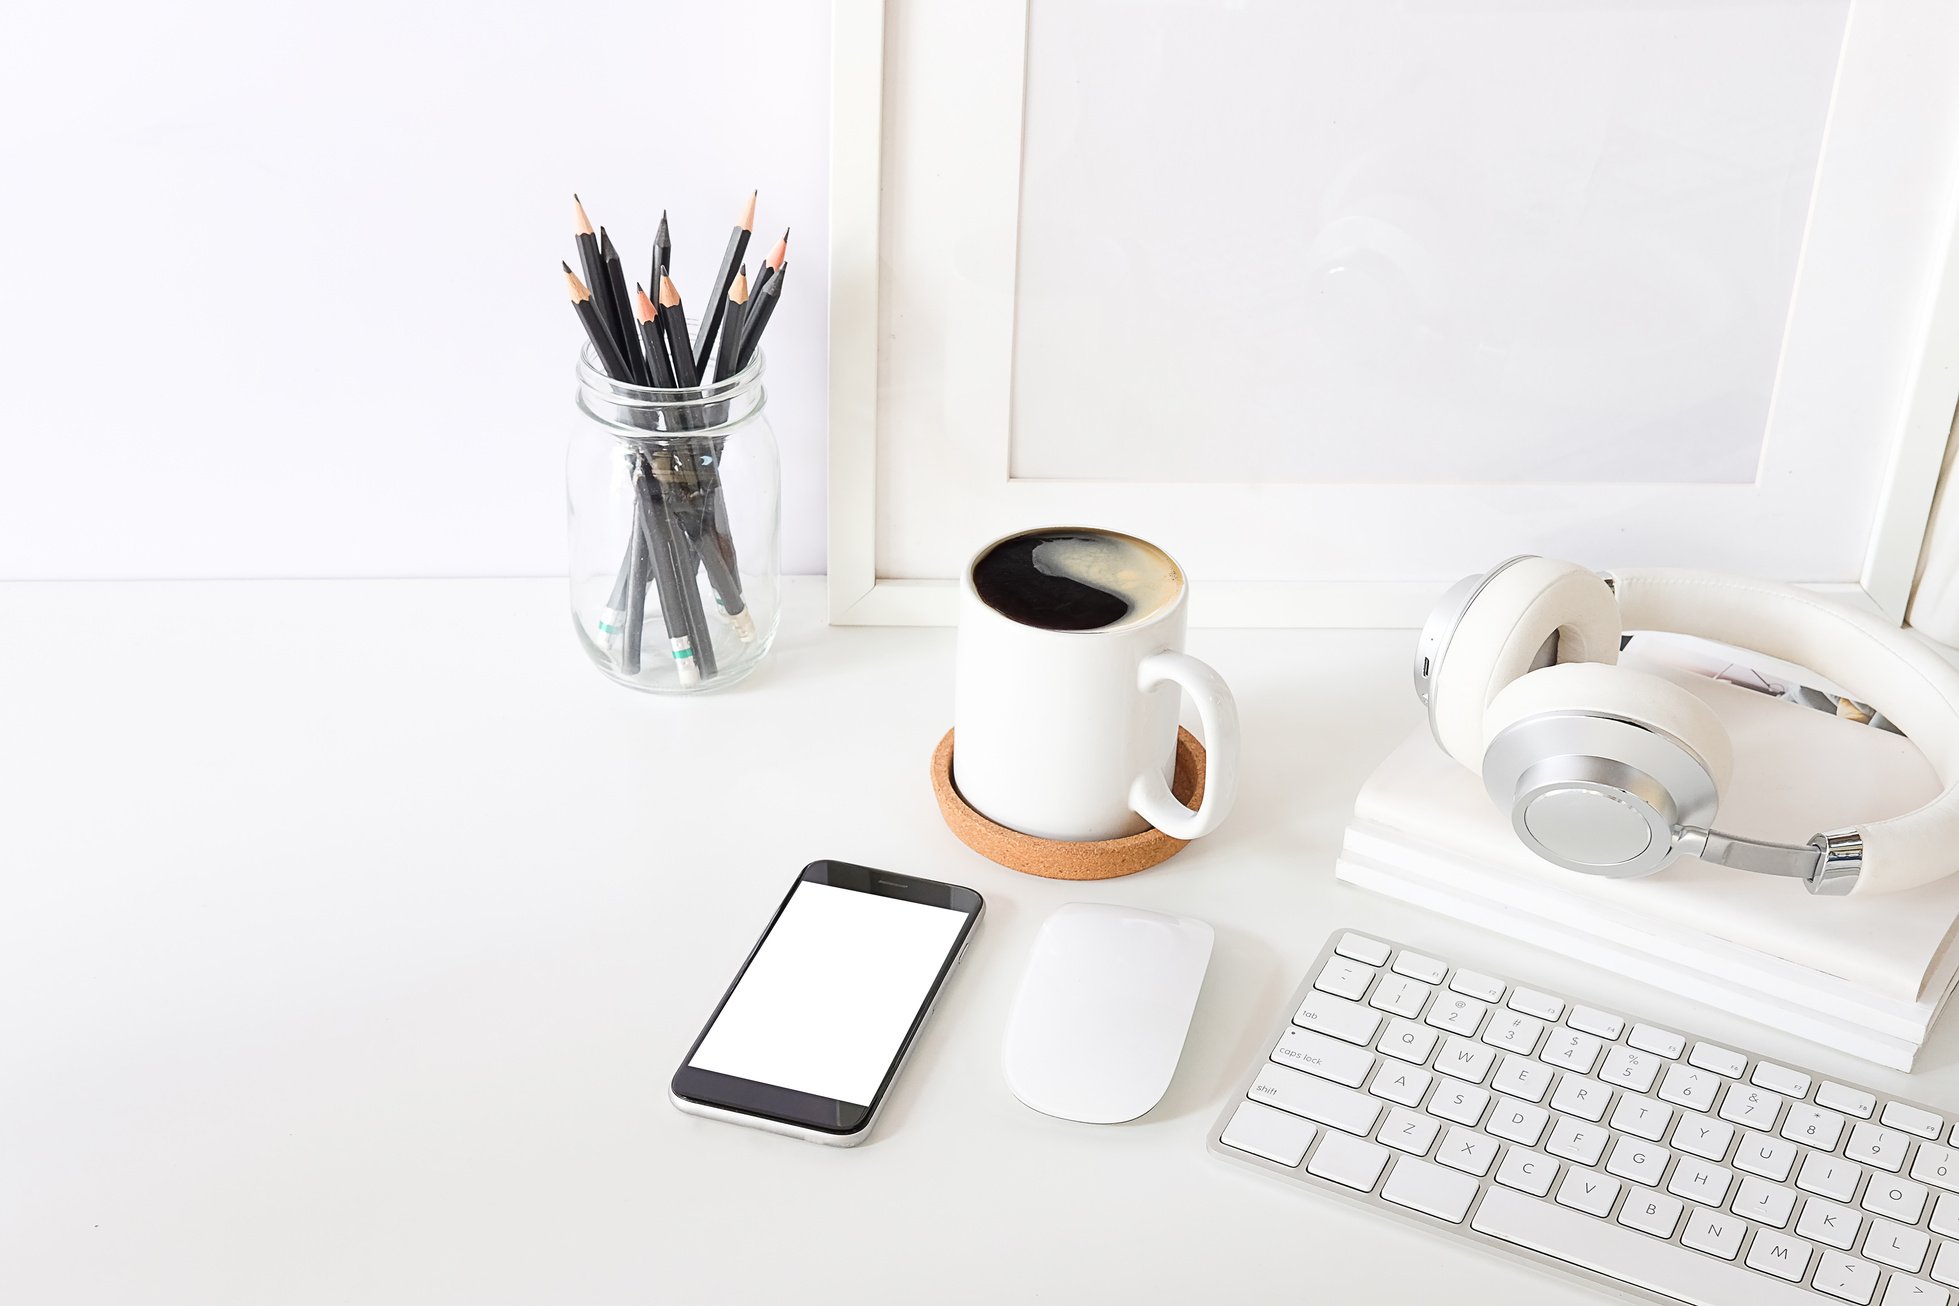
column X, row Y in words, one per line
column 770, row 266
column 723, row 279
column 761, row 308
column 656, row 532
column 622, row 307
column 724, row 362
column 590, row 259
column 674, row 316
column 595, row 329
column 655, row 340
column 662, row 253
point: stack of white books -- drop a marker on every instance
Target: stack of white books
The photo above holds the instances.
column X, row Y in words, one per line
column 1865, row 975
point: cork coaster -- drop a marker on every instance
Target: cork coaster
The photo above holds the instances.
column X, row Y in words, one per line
column 1062, row 859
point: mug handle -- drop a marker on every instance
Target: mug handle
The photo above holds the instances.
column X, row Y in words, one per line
column 1149, row 796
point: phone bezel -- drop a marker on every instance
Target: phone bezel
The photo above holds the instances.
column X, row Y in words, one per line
column 809, row 1111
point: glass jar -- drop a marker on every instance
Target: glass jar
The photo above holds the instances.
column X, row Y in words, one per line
column 674, row 499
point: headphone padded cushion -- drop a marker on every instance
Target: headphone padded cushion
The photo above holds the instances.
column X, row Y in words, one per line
column 1594, row 689
column 1499, row 634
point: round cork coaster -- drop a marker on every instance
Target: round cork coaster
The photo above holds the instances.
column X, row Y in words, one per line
column 1063, row 859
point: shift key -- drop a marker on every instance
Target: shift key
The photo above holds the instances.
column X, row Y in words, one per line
column 1316, row 1099
column 1316, row 1054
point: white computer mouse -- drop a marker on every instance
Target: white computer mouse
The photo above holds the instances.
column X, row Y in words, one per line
column 1103, row 1008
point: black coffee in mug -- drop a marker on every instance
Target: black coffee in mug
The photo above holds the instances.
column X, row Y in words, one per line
column 1070, row 579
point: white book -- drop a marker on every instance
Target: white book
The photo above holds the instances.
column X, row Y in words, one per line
column 1863, row 974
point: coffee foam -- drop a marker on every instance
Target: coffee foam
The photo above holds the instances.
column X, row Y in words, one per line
column 1115, row 564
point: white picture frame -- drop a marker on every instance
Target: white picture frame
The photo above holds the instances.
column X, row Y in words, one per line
column 1882, row 227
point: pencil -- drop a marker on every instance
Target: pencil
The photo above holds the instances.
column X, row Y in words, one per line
column 771, row 265
column 724, row 361
column 675, row 318
column 595, row 330
column 621, row 307
column 760, row 310
column 656, row 534
column 687, row 558
column 662, row 253
column 656, row 344
column 723, row 279
column 590, row 259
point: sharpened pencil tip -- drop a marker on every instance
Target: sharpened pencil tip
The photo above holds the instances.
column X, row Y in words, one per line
column 642, row 306
column 747, row 219
column 669, row 296
column 738, row 293
column 582, row 225
column 578, row 291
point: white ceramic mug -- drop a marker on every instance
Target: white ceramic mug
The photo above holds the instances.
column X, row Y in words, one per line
column 1072, row 733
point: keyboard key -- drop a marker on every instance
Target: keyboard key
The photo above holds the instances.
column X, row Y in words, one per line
column 1828, row 1176
column 1901, row 1199
column 1640, row 1161
column 1329, row 1058
column 1813, row 1126
column 1574, row 1140
column 1527, row 1171
column 1946, row 1267
column 1754, row 1107
column 1477, row 985
column 1784, row 1256
column 1771, row 1158
column 1704, row 1138
column 1347, row 1021
column 1458, row 1015
column 1513, row 1032
column 1430, row 1189
column 1826, row 1222
column 1348, row 1161
column 1625, row 1254
column 1660, row 1042
column 1764, row 1202
column 1518, row 1122
column 1643, row 1117
column 1936, row 1166
column 1873, row 1145
column 1901, row 1291
column 1691, row 1088
column 1845, row 1277
column 1627, row 1068
column 1714, row 1232
column 1368, row 952
column 1945, row 1216
column 1587, row 1191
column 1400, row 995
column 1722, row 1061
column 1854, row 1101
column 1897, row 1246
column 1462, row 1103
column 1408, row 1041
column 1344, row 978
column 1407, row 1131
column 1461, row 1059
column 1604, row 1024
column 1467, row 1150
column 1522, row 1077
column 1912, row 1120
column 1271, row 1134
column 1533, row 1003
column 1780, row 1079
column 1653, row 1213
column 1403, row 1084
column 1571, row 1050
column 1697, row 1181
column 1415, row 966
column 1316, row 1099
column 1578, row 1096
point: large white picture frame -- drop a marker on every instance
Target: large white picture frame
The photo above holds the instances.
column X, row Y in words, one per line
column 923, row 263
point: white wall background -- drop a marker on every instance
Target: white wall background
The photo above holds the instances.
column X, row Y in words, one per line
column 279, row 292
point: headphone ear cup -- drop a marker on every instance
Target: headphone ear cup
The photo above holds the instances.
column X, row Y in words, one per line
column 1500, row 635
column 1598, row 765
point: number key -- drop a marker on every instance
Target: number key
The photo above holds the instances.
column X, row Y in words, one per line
column 1458, row 1015
column 1630, row 1069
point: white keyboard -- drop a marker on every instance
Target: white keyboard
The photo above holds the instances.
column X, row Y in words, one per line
column 1583, row 1139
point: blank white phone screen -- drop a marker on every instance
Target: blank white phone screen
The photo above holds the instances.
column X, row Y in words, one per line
column 824, row 1006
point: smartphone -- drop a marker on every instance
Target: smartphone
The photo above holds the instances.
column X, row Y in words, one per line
column 811, row 1034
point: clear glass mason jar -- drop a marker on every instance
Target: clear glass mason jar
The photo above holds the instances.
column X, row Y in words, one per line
column 674, row 500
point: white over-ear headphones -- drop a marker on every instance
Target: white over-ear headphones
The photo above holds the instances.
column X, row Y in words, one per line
column 1612, row 771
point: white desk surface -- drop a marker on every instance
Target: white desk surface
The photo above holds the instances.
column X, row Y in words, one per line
column 349, row 932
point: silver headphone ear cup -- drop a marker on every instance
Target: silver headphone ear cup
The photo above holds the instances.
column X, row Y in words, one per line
column 1595, row 794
